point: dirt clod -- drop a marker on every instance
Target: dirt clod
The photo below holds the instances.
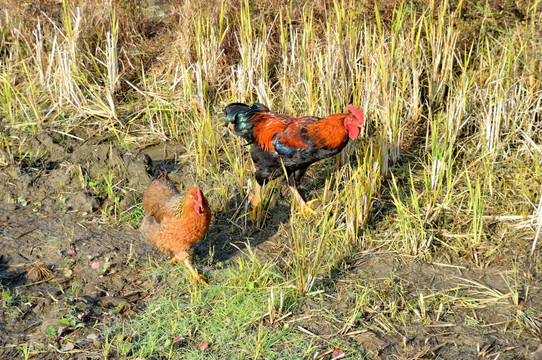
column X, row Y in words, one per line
column 83, row 202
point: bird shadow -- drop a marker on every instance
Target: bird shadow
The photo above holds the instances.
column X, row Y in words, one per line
column 232, row 230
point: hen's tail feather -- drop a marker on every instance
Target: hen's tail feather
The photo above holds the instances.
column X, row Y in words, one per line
column 158, row 190
column 162, row 173
column 169, row 187
column 241, row 116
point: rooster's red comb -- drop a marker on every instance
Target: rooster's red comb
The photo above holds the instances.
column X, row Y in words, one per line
column 358, row 113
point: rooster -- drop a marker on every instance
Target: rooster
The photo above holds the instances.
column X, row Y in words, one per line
column 174, row 223
column 281, row 142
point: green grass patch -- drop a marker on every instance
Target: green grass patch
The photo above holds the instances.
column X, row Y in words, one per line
column 232, row 318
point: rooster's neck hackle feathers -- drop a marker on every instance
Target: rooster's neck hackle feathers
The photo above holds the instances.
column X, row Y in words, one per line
column 241, row 116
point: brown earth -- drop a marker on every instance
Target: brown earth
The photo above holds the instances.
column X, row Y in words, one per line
column 66, row 274
column 89, row 278
column 489, row 331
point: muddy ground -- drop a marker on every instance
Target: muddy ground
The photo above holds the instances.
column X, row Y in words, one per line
column 66, row 274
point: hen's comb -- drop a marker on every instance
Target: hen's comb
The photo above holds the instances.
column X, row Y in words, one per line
column 199, row 195
column 358, row 113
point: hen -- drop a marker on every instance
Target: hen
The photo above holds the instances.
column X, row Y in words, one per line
column 284, row 142
column 175, row 222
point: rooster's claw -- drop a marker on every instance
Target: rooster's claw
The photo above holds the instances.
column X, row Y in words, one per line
column 257, row 215
column 305, row 208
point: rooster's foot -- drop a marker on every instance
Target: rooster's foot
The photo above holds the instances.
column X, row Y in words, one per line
column 257, row 215
column 305, row 208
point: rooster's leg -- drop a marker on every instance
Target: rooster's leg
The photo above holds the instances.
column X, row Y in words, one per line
column 303, row 207
column 256, row 201
column 339, row 158
column 258, row 194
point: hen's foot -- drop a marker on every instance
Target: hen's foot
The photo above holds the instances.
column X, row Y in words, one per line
column 197, row 277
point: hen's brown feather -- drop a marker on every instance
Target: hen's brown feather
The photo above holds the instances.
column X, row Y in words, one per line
column 179, row 234
column 174, row 222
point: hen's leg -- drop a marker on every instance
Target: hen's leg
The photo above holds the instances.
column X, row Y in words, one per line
column 184, row 257
column 195, row 275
